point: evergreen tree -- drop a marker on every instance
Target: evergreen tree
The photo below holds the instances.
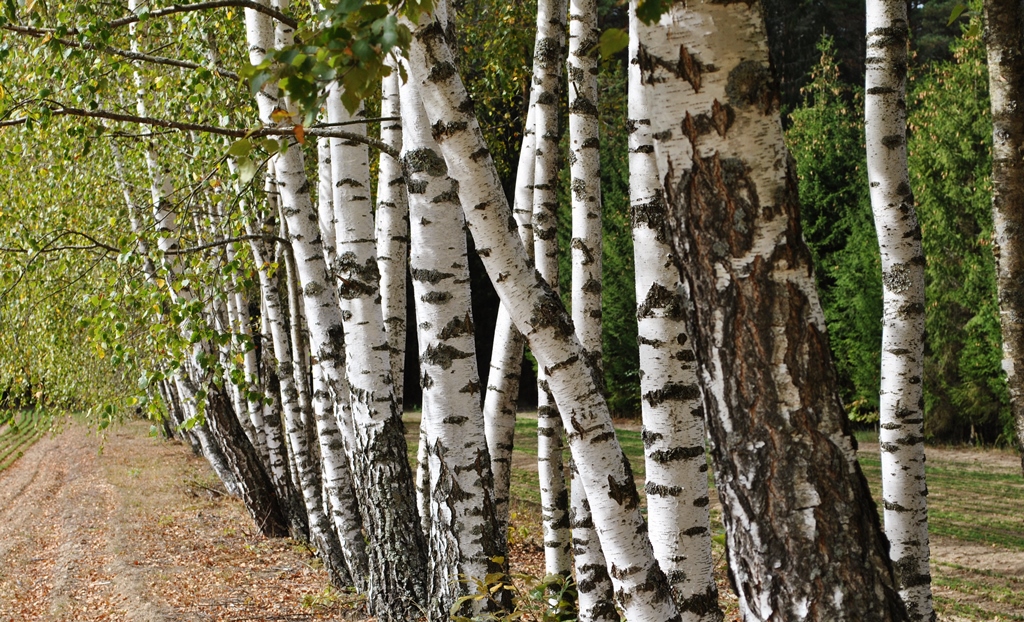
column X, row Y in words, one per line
column 951, row 163
column 826, row 139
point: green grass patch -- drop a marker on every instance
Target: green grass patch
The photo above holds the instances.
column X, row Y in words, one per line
column 19, row 431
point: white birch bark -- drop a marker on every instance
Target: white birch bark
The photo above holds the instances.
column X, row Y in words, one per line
column 548, row 56
column 641, row 589
column 593, row 585
column 382, row 475
column 506, row 363
column 461, row 538
column 759, row 336
column 392, row 232
column 901, row 397
column 1004, row 38
column 673, row 433
column 299, row 422
column 384, row 479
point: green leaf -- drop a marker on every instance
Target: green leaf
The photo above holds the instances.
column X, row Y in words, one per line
column 955, row 14
column 246, row 170
column 613, row 41
column 240, row 148
column 650, row 11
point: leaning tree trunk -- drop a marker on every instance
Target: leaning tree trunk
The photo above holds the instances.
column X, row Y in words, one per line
column 593, row 585
column 462, row 537
column 506, row 364
column 795, row 503
column 901, row 398
column 1004, row 38
column 673, row 417
column 641, row 588
column 382, row 474
column 392, row 231
column 548, row 56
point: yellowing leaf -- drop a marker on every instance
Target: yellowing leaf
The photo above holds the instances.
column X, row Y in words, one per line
column 300, row 134
column 280, row 115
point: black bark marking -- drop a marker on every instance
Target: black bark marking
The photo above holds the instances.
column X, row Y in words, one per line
column 456, row 327
column 443, row 355
column 750, row 83
column 425, row 161
column 429, row 276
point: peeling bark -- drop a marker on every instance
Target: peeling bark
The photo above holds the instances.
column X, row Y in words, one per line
column 1004, row 40
column 795, row 503
column 671, row 399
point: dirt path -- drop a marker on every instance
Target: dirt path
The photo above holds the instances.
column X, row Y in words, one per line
column 137, row 533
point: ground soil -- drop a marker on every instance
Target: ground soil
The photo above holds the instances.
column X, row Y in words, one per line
column 131, row 527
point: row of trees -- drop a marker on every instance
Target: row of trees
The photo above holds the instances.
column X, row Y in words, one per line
column 253, row 288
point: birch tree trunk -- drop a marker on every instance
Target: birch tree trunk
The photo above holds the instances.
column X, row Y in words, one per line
column 641, row 588
column 392, row 231
column 901, row 397
column 462, row 538
column 382, row 474
column 500, row 400
column 673, row 417
column 548, row 57
column 299, row 415
column 795, row 503
column 593, row 586
column 1004, row 39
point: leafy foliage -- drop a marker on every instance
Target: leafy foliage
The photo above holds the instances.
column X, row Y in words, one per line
column 950, row 164
column 827, row 141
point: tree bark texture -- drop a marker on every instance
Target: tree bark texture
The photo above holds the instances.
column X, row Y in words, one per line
column 795, row 503
column 1004, row 39
column 671, row 399
column 462, row 538
column 593, row 586
column 641, row 588
column 548, row 57
column 392, row 231
column 901, row 397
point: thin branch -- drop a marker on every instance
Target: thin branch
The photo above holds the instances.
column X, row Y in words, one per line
column 213, row 129
column 358, row 121
column 226, row 241
column 182, row 8
column 147, row 58
column 202, row 6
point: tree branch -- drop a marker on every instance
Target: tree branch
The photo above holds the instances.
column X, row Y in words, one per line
column 214, row 4
column 326, row 132
column 148, row 58
column 180, row 8
column 226, row 241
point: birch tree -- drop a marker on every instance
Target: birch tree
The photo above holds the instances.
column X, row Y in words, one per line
column 901, row 398
column 673, row 418
column 641, row 588
column 392, row 231
column 593, row 585
column 462, row 542
column 1004, row 40
column 548, row 56
column 759, row 336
